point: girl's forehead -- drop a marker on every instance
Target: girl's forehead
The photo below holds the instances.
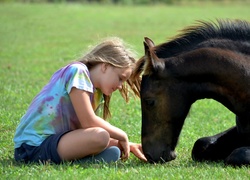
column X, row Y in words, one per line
column 124, row 71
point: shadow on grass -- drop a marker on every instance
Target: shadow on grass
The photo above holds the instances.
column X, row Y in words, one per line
column 8, row 162
column 182, row 163
column 133, row 163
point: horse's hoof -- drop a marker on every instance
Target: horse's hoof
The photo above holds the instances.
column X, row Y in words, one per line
column 239, row 157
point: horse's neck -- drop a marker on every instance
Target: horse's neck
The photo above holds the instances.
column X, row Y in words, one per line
column 212, row 62
column 213, row 73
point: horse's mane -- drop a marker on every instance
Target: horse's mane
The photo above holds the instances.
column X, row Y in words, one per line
column 190, row 36
column 203, row 30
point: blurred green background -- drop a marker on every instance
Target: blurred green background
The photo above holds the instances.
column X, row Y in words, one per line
column 38, row 38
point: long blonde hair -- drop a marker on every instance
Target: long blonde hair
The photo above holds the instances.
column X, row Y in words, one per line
column 116, row 52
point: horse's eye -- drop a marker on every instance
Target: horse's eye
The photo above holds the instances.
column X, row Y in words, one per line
column 150, row 102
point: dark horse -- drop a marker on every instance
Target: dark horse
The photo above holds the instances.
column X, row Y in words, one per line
column 208, row 60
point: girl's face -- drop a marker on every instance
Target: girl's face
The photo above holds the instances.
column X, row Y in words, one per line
column 112, row 78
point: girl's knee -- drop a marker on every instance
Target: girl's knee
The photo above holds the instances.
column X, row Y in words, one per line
column 101, row 137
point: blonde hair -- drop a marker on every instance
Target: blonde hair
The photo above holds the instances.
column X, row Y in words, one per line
column 116, row 52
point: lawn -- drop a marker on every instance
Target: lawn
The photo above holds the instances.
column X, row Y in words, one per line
column 37, row 39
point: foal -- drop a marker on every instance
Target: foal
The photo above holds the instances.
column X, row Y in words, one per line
column 209, row 60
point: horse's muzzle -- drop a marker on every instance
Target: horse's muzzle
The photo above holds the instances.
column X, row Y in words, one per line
column 163, row 157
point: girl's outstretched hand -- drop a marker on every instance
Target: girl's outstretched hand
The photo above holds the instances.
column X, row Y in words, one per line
column 136, row 149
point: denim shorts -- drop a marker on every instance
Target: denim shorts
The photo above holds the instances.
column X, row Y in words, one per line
column 45, row 153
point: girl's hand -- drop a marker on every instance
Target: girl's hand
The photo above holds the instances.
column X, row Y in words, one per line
column 125, row 149
column 136, row 149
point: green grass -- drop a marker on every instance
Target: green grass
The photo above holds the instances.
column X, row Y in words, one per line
column 37, row 39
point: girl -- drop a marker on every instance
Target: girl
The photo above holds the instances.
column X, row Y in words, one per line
column 61, row 123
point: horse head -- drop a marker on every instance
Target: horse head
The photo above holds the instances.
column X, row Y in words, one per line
column 160, row 110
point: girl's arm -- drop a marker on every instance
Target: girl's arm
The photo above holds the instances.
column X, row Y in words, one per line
column 87, row 117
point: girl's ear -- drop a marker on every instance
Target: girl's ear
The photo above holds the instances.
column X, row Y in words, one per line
column 104, row 67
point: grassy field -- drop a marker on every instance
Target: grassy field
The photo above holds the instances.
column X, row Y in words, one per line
column 37, row 39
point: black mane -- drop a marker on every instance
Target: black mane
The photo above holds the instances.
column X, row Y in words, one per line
column 236, row 30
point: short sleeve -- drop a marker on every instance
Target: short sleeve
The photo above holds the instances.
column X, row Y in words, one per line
column 77, row 75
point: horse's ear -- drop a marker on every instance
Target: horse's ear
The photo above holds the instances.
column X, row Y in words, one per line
column 153, row 63
column 149, row 42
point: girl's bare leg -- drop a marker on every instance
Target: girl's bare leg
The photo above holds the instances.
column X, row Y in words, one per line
column 82, row 142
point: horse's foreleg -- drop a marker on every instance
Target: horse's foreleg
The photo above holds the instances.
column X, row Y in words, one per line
column 243, row 124
column 217, row 147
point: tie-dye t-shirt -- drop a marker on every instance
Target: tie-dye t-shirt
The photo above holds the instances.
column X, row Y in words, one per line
column 51, row 111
